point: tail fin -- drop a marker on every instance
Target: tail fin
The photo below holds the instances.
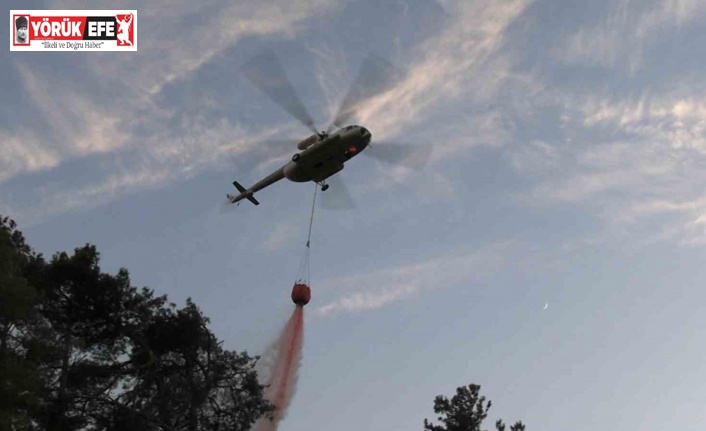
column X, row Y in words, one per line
column 248, row 196
column 240, row 188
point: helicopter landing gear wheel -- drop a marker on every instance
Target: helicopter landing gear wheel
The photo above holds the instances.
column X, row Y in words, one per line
column 323, row 185
column 295, row 157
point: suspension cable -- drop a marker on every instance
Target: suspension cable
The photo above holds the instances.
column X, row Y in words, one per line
column 308, row 238
column 311, row 220
column 304, row 268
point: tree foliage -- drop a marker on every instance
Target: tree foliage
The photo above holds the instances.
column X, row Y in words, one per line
column 81, row 349
column 465, row 411
column 20, row 389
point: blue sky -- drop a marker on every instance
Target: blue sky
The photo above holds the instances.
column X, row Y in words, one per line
column 569, row 147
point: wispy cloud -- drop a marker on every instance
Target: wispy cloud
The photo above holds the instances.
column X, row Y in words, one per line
column 619, row 38
column 537, row 158
column 170, row 144
column 370, row 299
column 382, row 287
column 637, row 160
column 164, row 142
column 449, row 82
column 670, row 14
column 467, row 50
column 280, row 234
column 671, row 121
column 194, row 33
column 55, row 201
column 194, row 146
column 606, row 42
column 463, row 63
column 78, row 125
column 22, row 152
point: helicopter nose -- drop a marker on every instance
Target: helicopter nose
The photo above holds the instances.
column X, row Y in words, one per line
column 365, row 133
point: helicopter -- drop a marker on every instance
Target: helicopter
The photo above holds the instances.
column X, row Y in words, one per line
column 324, row 153
column 322, row 156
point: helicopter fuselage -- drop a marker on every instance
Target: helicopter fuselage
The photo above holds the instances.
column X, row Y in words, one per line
column 327, row 156
column 322, row 156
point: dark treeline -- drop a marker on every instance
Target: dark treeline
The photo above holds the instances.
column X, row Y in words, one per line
column 84, row 350
column 465, row 411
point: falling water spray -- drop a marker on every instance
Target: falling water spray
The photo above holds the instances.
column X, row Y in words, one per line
column 280, row 368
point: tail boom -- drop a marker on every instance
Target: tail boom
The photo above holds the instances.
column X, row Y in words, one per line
column 248, row 193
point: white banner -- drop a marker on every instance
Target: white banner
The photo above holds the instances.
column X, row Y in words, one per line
column 73, row 30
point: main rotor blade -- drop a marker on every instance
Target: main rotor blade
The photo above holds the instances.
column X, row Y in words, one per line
column 409, row 156
column 266, row 73
column 375, row 75
column 262, row 153
column 337, row 197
